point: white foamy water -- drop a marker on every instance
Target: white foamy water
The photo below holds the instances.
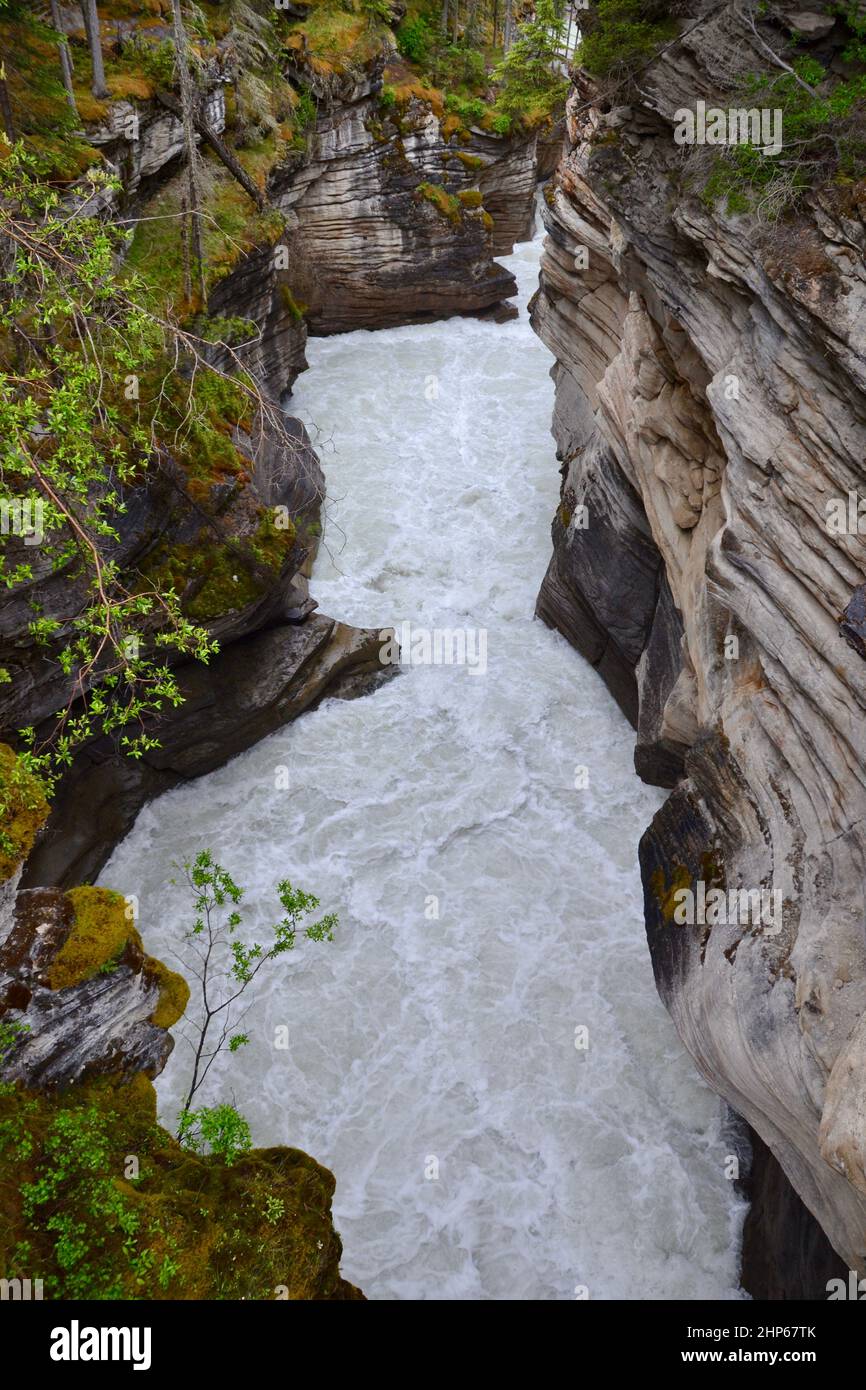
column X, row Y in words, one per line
column 418, row 1042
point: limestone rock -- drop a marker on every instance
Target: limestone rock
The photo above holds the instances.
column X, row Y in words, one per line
column 713, row 373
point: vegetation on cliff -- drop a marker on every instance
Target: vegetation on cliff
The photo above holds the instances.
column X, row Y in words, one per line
column 813, row 83
column 100, row 1202
column 97, row 1199
column 109, row 381
column 822, row 105
column 618, row 35
column 484, row 62
column 23, row 810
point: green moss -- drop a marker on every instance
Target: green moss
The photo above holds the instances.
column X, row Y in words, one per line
column 332, row 39
column 23, row 810
column 221, row 582
column 470, row 198
column 173, row 994
column 75, row 1212
column 232, row 228
column 665, row 892
column 99, row 936
column 295, row 308
column 470, row 161
column 445, row 203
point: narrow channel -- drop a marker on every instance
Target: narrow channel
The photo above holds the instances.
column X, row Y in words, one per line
column 484, row 1147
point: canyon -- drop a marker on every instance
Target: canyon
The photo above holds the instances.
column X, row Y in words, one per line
column 709, row 404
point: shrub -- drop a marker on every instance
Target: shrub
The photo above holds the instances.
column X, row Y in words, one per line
column 620, row 34
column 415, row 39
column 217, row 1129
column 470, row 109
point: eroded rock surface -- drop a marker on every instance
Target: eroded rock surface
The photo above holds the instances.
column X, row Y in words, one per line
column 710, row 402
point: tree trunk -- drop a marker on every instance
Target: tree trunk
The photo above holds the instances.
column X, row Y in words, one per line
column 188, row 116
column 235, row 168
column 495, row 20
column 509, row 25
column 65, row 60
column 472, row 22
column 6, row 107
column 445, row 17
column 456, row 19
column 91, row 25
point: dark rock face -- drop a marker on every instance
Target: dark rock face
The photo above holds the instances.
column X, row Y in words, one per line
column 853, row 624
column 722, row 371
column 257, row 684
column 601, row 585
column 786, row 1255
column 160, row 515
column 256, row 290
column 658, row 757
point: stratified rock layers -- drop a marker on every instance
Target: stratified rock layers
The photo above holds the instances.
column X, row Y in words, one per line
column 378, row 233
column 710, row 401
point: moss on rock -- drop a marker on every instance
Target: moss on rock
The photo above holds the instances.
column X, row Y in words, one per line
column 99, row 935
column 23, row 810
column 444, row 202
column 99, row 1201
column 103, row 934
column 173, row 993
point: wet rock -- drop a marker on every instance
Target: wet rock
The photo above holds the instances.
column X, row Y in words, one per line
column 255, row 685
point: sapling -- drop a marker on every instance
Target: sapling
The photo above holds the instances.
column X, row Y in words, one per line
column 225, row 967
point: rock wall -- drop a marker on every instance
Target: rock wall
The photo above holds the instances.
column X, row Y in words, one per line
column 381, row 234
column 710, row 401
column 389, row 214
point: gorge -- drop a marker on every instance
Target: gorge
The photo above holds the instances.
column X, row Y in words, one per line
column 480, row 1057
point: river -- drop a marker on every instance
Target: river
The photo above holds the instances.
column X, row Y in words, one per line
column 480, row 1056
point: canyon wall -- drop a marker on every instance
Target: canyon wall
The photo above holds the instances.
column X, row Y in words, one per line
column 710, row 402
column 385, row 211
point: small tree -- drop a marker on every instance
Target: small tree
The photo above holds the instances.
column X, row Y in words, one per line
column 225, row 968
column 187, row 100
column 65, row 59
column 529, row 73
column 91, row 25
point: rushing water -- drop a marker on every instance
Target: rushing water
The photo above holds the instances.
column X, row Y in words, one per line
column 420, row 1042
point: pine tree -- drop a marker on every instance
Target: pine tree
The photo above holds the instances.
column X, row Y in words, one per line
column 91, row 25
column 65, row 58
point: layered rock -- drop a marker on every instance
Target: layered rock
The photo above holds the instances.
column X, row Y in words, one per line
column 257, row 684
column 710, row 402
column 378, row 232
